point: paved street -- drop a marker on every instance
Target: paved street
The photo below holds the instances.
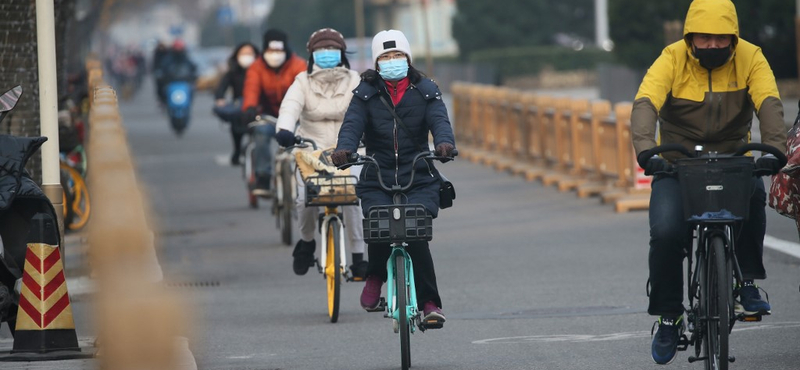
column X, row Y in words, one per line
column 531, row 278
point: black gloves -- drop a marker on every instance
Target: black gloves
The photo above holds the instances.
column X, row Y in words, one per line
column 284, row 138
column 652, row 165
column 249, row 115
column 341, row 157
column 768, row 163
column 444, row 150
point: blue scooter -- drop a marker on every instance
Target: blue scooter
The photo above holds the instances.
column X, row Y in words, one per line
column 179, row 104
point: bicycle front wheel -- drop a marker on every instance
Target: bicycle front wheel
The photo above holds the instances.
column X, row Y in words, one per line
column 401, row 290
column 718, row 301
column 286, row 209
column 333, row 272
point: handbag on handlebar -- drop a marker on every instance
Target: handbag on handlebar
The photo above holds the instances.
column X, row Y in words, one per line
column 447, row 192
column 784, row 192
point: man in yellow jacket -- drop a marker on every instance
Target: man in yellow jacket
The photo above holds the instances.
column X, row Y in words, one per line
column 703, row 90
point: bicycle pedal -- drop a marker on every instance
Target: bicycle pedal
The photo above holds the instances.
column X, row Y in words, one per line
column 683, row 343
column 750, row 318
column 379, row 308
column 431, row 324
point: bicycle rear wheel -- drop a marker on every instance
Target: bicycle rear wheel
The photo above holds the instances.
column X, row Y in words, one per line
column 401, row 290
column 333, row 272
column 286, row 209
column 718, row 292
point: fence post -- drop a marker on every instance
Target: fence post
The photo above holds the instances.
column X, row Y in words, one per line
column 600, row 110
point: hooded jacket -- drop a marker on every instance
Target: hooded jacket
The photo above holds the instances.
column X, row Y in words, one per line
column 711, row 108
column 319, row 101
column 267, row 85
column 422, row 111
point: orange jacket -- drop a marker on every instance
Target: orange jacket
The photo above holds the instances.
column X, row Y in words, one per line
column 268, row 86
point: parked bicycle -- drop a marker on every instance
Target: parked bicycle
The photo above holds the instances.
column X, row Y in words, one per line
column 399, row 224
column 77, row 206
column 716, row 193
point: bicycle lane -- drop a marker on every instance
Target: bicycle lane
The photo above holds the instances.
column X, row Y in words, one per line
column 513, row 259
column 568, row 276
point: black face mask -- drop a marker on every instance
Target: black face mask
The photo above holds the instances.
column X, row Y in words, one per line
column 713, row 58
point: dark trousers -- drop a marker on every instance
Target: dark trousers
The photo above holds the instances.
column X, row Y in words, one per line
column 424, row 275
column 670, row 240
column 237, row 136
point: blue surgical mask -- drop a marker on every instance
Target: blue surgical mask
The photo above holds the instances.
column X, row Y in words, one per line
column 327, row 58
column 393, row 69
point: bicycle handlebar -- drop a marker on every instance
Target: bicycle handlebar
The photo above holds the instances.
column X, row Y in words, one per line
column 649, row 153
column 645, row 156
column 262, row 120
column 302, row 142
column 357, row 159
column 763, row 148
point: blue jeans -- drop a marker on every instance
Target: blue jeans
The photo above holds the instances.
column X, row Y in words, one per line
column 670, row 240
column 262, row 155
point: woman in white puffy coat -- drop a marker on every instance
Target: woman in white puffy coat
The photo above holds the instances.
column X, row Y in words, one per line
column 318, row 99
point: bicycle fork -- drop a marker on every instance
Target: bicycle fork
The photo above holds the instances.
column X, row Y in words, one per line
column 392, row 311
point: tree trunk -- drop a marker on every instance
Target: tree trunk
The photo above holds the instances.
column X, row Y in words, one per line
column 19, row 66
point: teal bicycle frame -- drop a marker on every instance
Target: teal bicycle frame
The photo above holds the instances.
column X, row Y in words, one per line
column 412, row 313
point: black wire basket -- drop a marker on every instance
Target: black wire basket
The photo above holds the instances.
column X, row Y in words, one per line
column 331, row 190
column 398, row 223
column 716, row 184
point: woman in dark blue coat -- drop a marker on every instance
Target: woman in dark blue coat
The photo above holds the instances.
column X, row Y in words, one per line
column 418, row 102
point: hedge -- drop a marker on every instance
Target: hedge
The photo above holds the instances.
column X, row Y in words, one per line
column 520, row 61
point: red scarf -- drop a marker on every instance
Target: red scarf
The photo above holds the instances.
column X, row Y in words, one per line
column 397, row 92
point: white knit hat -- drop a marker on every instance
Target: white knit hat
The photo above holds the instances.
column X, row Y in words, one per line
column 389, row 40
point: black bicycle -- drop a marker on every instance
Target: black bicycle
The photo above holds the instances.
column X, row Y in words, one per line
column 398, row 224
column 716, row 191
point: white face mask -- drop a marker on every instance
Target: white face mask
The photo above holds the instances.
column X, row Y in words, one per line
column 246, row 60
column 275, row 59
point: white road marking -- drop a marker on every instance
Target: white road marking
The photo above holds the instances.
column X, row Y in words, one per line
column 223, row 160
column 583, row 338
column 245, row 357
column 780, row 245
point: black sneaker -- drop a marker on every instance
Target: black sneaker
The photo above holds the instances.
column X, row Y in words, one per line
column 665, row 340
column 750, row 301
column 359, row 270
column 303, row 256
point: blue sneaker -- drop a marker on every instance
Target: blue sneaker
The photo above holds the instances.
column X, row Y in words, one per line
column 665, row 340
column 750, row 301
